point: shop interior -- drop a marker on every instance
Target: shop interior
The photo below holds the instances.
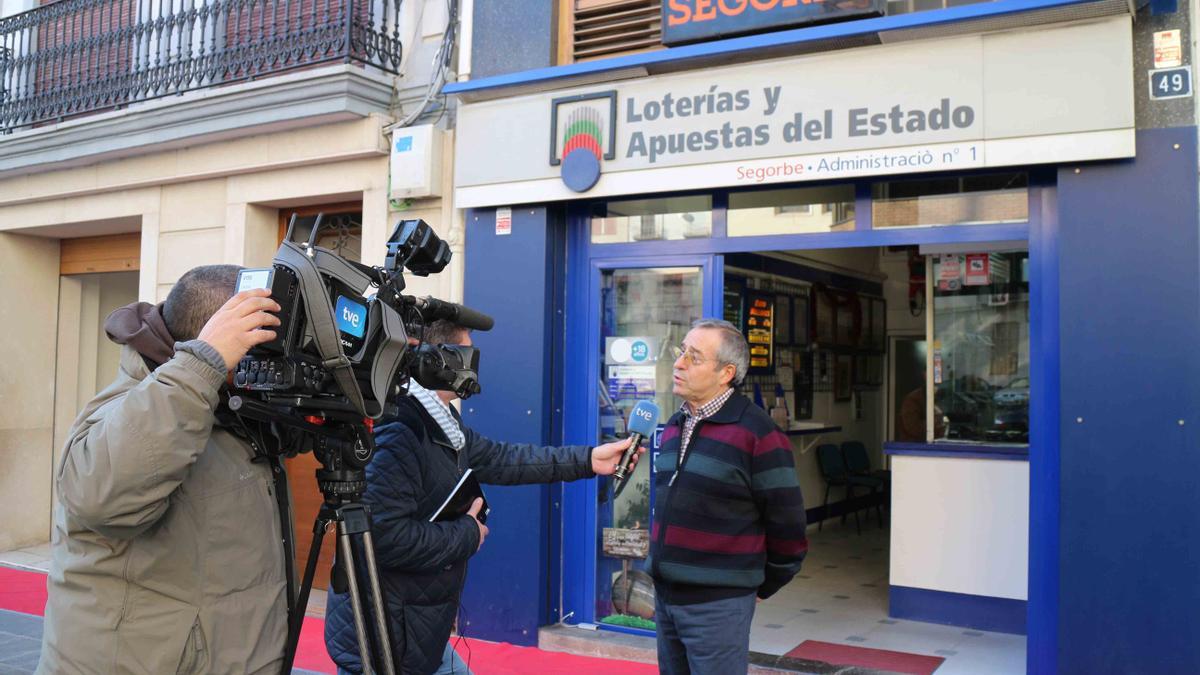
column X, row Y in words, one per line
column 843, row 343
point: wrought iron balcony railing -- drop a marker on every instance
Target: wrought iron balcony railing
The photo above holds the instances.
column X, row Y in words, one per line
column 81, row 56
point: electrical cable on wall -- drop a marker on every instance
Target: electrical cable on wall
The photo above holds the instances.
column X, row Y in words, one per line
column 440, row 66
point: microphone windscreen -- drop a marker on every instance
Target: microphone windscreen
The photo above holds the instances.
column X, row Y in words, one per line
column 474, row 319
column 643, row 419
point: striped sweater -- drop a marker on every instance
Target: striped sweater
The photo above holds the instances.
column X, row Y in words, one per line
column 732, row 521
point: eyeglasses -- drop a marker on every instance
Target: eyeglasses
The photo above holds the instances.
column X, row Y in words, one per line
column 694, row 357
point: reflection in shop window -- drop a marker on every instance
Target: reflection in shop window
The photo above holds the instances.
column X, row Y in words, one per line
column 792, row 211
column 644, row 313
column 981, row 347
column 651, row 219
column 958, row 200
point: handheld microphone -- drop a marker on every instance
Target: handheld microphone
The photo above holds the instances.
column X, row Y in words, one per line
column 642, row 421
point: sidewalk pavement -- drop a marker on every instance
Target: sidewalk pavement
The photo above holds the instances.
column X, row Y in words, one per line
column 20, row 642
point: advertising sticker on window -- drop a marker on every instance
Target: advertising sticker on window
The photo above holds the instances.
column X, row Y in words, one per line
column 978, row 273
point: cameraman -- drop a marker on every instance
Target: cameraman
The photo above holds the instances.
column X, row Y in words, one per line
column 422, row 565
column 167, row 553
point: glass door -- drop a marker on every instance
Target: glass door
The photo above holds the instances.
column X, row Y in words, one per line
column 644, row 309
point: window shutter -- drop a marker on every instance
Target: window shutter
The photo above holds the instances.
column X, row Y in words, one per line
column 608, row 27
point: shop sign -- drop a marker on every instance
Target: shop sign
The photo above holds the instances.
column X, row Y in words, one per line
column 620, row 542
column 809, row 118
column 696, row 20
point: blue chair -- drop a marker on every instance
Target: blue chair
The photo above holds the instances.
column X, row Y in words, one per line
column 858, row 464
column 834, row 472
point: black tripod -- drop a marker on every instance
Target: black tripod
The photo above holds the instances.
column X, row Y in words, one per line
column 343, row 451
column 353, row 520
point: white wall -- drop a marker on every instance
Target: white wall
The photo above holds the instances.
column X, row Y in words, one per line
column 29, row 305
column 961, row 525
column 10, row 7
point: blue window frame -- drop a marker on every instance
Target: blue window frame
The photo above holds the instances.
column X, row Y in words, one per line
column 580, row 541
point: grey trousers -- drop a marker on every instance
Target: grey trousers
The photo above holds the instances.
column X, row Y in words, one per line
column 707, row 638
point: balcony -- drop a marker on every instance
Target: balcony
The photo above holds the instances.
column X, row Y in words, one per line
column 79, row 57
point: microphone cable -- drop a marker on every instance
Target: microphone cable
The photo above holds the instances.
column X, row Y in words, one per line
column 462, row 637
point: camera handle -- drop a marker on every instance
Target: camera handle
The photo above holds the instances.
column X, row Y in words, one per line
column 353, row 521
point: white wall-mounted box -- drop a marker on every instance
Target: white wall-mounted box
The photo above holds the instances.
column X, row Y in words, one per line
column 416, row 162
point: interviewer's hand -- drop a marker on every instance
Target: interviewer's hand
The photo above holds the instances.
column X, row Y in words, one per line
column 474, row 513
column 238, row 325
column 605, row 458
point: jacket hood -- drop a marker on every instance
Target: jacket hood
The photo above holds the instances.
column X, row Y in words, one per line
column 142, row 327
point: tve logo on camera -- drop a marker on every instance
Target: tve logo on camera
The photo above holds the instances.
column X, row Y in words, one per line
column 351, row 317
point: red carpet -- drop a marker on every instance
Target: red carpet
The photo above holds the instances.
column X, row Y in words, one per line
column 25, row 592
column 22, row 591
column 881, row 659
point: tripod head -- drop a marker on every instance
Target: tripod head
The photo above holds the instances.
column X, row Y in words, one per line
column 339, row 439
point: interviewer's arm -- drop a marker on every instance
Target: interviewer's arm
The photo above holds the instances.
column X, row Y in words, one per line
column 502, row 463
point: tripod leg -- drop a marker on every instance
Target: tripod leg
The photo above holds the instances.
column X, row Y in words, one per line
column 360, row 626
column 381, row 628
column 296, row 619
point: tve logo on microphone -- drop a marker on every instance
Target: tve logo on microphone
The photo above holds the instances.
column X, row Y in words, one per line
column 643, row 418
column 644, row 413
column 351, row 317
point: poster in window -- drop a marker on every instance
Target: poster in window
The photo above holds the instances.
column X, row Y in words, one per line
column 846, row 321
column 759, row 329
column 978, row 272
column 823, row 316
column 949, row 272
column 783, row 320
column 843, row 377
column 800, row 316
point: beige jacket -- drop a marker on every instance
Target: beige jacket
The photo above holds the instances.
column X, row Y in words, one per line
column 167, row 553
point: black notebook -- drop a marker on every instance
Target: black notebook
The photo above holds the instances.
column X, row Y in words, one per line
column 460, row 500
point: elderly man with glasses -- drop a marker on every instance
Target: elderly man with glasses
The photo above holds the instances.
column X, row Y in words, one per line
column 728, row 518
